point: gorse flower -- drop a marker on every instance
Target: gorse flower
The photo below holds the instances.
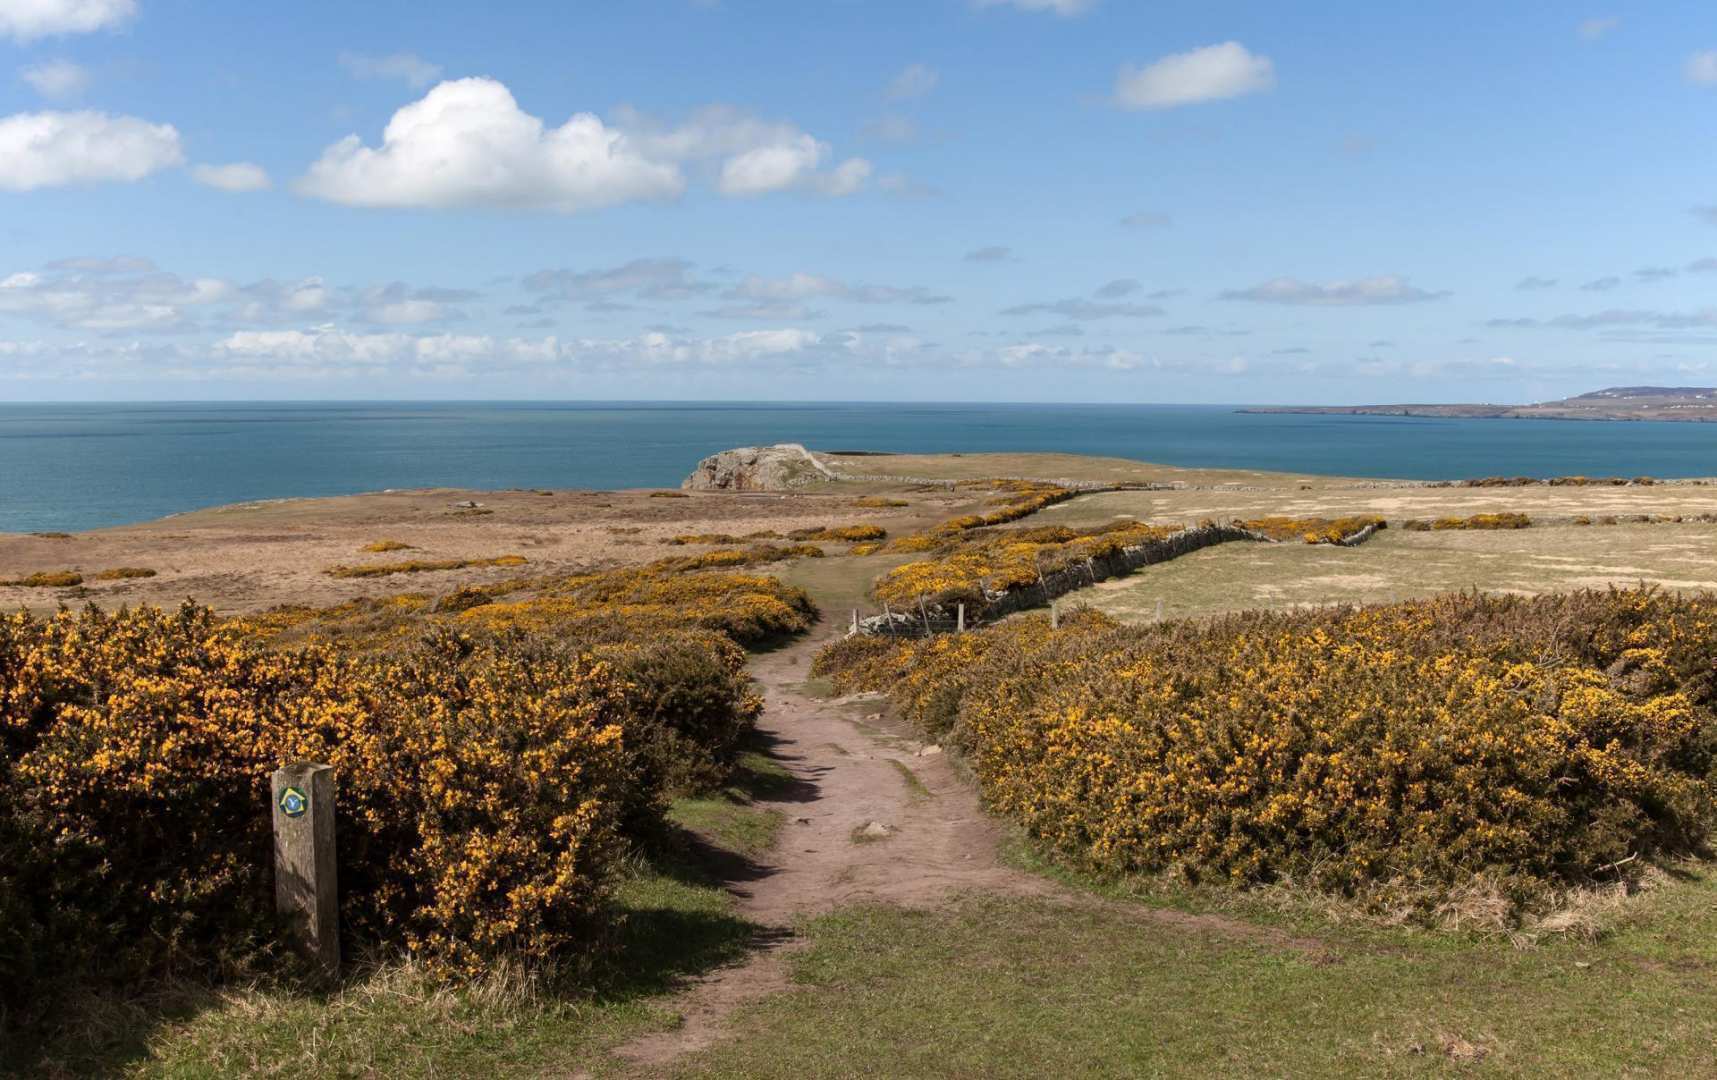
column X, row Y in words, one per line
column 1387, row 753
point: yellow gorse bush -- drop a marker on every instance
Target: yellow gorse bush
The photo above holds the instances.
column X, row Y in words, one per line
column 1387, row 753
column 481, row 787
column 984, row 565
column 1506, row 520
column 1026, row 498
column 1313, row 530
column 841, row 533
column 419, row 566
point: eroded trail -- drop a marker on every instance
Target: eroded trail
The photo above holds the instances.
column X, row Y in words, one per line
column 852, row 774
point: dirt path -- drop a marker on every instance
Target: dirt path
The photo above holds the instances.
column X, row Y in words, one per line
column 853, row 772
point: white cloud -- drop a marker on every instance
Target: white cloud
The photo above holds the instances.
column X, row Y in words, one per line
column 796, row 287
column 409, row 68
column 28, row 20
column 238, row 176
column 914, row 82
column 1058, row 7
column 755, row 157
column 781, row 168
column 1083, row 310
column 55, row 149
column 467, row 143
column 1702, row 68
column 329, row 351
column 108, row 295
column 56, row 80
column 892, row 127
column 1213, row 73
column 1594, row 29
column 1386, row 289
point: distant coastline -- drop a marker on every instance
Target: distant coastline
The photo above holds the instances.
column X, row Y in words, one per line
column 73, row 469
column 1683, row 404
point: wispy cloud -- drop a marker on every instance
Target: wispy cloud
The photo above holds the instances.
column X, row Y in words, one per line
column 914, row 82
column 1386, row 289
column 409, row 68
column 1596, row 29
column 1213, row 73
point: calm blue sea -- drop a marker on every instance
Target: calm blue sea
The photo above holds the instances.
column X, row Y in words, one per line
column 75, row 467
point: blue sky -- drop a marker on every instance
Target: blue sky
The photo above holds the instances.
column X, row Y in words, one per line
column 1067, row 200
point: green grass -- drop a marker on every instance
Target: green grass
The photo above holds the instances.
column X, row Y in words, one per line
column 397, row 1022
column 1019, row 987
column 729, row 818
column 914, row 786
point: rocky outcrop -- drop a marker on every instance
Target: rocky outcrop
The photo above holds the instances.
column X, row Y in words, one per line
column 784, row 467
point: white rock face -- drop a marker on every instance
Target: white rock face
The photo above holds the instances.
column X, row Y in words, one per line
column 785, row 467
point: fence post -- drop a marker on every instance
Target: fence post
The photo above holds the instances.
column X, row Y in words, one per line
column 302, row 797
column 924, row 613
column 960, row 619
column 855, row 620
column 889, row 617
column 1054, row 616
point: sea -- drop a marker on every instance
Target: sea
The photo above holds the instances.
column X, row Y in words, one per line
column 75, row 467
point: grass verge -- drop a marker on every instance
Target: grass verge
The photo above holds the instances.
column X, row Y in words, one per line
column 1004, row 987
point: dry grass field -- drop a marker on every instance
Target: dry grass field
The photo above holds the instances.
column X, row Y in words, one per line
column 1398, row 565
column 253, row 556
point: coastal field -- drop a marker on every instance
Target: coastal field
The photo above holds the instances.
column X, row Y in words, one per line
column 832, row 898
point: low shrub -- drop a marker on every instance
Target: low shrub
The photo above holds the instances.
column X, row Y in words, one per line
column 989, row 564
column 755, row 555
column 1314, row 530
column 1026, row 499
column 669, row 495
column 878, row 502
column 703, row 538
column 378, row 547
column 749, row 609
column 840, row 533
column 422, row 566
column 1390, row 754
column 123, row 573
column 1507, row 520
column 47, row 579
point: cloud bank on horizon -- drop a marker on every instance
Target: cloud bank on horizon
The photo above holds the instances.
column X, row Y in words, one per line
column 908, row 199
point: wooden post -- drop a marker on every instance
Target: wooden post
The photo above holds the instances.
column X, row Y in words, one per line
column 960, row 619
column 302, row 799
column 1054, row 616
column 924, row 613
column 888, row 617
column 1159, row 609
column 855, row 620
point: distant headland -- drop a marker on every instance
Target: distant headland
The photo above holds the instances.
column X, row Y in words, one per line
column 1690, row 403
